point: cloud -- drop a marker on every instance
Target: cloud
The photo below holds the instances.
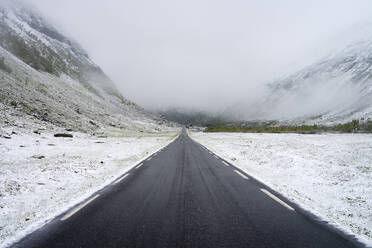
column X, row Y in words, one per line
column 200, row 54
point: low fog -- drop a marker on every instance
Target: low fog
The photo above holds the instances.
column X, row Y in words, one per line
column 203, row 55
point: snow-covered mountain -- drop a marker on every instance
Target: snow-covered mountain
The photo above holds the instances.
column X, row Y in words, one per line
column 45, row 74
column 335, row 89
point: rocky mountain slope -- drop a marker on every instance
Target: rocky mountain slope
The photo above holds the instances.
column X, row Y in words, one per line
column 46, row 75
column 335, row 89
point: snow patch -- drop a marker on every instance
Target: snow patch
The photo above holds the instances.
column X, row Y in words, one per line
column 329, row 175
column 41, row 175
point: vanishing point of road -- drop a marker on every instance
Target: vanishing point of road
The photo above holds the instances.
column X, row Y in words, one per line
column 186, row 196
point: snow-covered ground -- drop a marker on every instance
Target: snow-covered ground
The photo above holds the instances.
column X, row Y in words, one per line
column 41, row 175
column 327, row 174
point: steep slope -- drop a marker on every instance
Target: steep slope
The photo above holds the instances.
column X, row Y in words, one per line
column 335, row 89
column 47, row 75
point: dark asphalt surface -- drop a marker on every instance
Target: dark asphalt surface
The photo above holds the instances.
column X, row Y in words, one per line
column 185, row 197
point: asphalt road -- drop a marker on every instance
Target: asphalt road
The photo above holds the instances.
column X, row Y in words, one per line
column 185, row 196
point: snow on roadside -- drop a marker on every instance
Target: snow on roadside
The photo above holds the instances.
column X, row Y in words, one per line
column 40, row 175
column 327, row 174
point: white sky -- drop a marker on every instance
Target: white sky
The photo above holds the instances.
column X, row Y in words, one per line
column 202, row 54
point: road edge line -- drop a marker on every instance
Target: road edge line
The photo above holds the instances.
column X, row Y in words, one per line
column 79, row 207
column 275, row 198
column 241, row 174
column 121, row 178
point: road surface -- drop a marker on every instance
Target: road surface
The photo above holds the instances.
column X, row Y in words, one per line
column 185, row 196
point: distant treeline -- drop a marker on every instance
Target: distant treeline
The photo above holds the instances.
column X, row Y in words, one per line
column 193, row 118
column 354, row 126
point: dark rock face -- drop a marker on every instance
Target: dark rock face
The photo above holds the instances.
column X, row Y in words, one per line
column 63, row 135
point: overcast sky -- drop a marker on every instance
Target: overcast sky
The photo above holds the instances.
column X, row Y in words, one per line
column 201, row 53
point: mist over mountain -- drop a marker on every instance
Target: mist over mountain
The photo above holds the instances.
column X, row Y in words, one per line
column 193, row 117
column 336, row 88
column 202, row 55
column 198, row 81
column 47, row 75
column 197, row 123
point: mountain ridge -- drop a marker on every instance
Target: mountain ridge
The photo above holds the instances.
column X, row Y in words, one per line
column 334, row 89
column 47, row 75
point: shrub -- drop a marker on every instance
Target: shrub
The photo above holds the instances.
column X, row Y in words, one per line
column 3, row 66
column 349, row 127
column 13, row 103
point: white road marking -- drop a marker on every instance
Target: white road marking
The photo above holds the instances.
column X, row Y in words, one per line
column 148, row 159
column 228, row 165
column 139, row 165
column 215, row 156
column 241, row 174
column 75, row 210
column 277, row 199
column 121, row 178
